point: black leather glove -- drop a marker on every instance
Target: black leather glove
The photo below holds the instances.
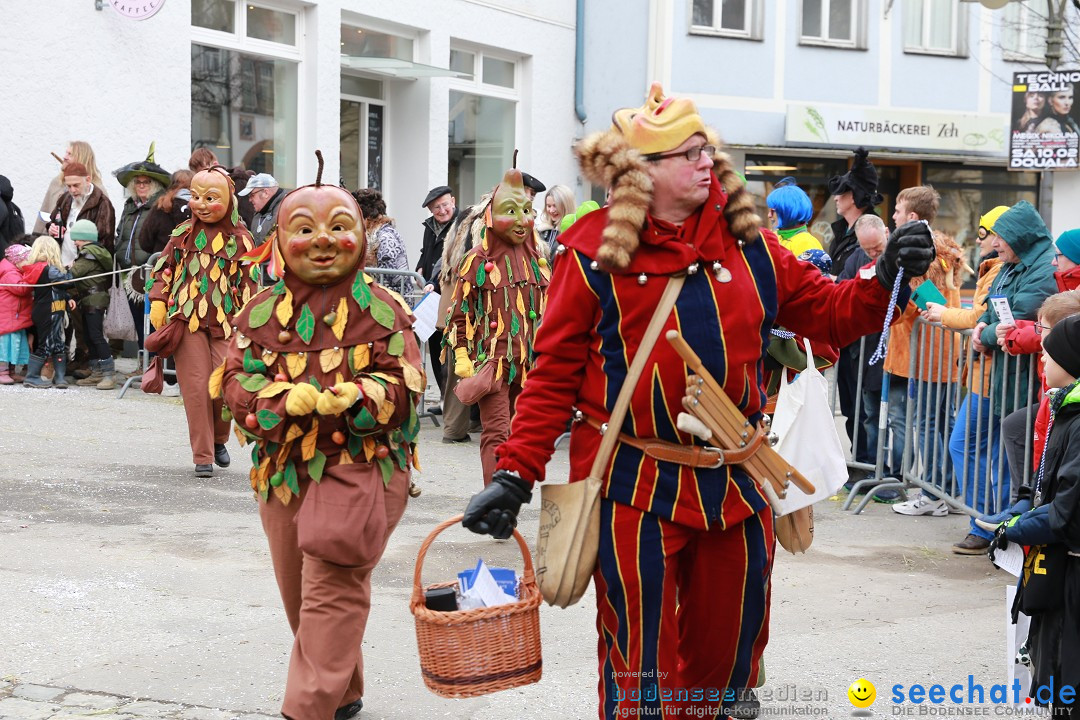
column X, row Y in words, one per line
column 911, row 246
column 493, row 511
column 999, row 541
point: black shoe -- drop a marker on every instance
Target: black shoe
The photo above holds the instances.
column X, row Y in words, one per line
column 435, row 410
column 221, row 456
column 746, row 707
column 204, row 471
column 454, row 441
column 349, row 711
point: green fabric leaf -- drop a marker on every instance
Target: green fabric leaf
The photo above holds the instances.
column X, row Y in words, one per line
column 364, row 420
column 515, row 325
column 226, row 414
column 252, row 364
column 536, row 274
column 279, row 288
column 265, row 493
column 260, row 314
column 226, row 302
column 382, row 313
column 396, row 346
column 181, row 228
column 291, row 480
column 361, row 292
column 200, row 239
column 215, row 297
column 315, row 465
column 387, row 467
column 481, row 274
column 204, row 284
column 267, row 418
column 253, row 383
column 512, row 373
column 509, row 269
column 399, row 455
column 356, row 445
column 254, row 449
column 230, row 246
column 305, row 324
column 160, row 264
column 315, row 382
column 235, row 212
column 411, row 428
column 188, row 308
column 193, row 266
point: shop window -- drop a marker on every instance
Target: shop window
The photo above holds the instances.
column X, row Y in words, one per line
column 1023, row 30
column 763, row 172
column 498, row 72
column 935, row 27
column 217, row 15
column 364, row 42
column 362, row 134
column 462, row 61
column 481, row 143
column 834, row 23
column 243, row 107
column 271, row 25
column 728, row 18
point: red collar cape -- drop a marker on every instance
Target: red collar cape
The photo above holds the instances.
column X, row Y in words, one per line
column 665, row 248
column 510, row 264
column 31, row 273
column 227, row 238
column 293, row 316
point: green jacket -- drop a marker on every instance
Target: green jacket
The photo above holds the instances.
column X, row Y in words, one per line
column 1025, row 284
column 92, row 294
column 128, row 229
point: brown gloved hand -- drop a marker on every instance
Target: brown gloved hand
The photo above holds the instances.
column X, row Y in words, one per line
column 301, row 400
column 337, row 399
column 158, row 311
column 463, row 365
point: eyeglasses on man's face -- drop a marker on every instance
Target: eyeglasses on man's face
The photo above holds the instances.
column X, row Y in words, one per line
column 691, row 154
column 1040, row 328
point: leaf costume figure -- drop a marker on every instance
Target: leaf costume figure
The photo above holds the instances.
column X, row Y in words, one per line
column 496, row 308
column 324, row 373
column 197, row 286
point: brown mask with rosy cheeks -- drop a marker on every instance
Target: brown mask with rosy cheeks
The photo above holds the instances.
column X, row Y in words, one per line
column 211, row 196
column 320, row 233
column 512, row 215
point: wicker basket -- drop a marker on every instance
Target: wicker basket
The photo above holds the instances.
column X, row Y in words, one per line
column 465, row 653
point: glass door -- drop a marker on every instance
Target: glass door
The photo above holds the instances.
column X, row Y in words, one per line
column 362, row 139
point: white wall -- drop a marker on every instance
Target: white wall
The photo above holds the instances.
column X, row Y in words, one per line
column 74, row 73
column 1064, row 210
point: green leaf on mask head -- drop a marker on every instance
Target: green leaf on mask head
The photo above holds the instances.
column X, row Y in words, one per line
column 361, row 292
column 305, row 324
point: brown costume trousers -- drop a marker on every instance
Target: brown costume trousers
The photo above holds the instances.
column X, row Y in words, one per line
column 327, row 605
column 455, row 413
column 197, row 355
column 496, row 410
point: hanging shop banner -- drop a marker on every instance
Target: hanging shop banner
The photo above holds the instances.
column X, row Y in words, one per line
column 885, row 128
column 1045, row 121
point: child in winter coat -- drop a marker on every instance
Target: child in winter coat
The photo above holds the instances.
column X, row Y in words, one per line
column 15, row 304
column 91, row 295
column 50, row 305
column 1051, row 529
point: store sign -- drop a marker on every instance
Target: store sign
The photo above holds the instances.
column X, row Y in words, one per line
column 1045, row 121
column 136, row 9
column 906, row 129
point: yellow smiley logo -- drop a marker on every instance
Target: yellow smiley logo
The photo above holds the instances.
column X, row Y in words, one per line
column 862, row 693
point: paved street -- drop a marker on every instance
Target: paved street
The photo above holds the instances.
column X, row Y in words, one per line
column 132, row 590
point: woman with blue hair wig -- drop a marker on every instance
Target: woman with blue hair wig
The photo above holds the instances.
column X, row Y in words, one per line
column 792, row 209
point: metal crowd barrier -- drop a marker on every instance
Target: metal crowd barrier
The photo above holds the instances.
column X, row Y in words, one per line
column 940, row 391
column 144, row 354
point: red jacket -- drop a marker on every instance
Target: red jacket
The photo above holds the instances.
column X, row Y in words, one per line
column 15, row 302
column 1023, row 340
column 594, row 322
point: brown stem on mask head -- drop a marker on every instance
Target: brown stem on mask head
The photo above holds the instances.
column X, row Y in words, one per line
column 515, row 159
column 318, row 175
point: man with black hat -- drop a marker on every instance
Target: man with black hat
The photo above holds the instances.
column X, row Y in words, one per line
column 441, row 204
column 532, row 185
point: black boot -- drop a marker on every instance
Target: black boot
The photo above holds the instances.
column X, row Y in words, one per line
column 221, row 455
column 60, row 379
column 33, row 373
column 349, row 711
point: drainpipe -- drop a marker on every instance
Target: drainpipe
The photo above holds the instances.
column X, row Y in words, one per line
column 579, row 63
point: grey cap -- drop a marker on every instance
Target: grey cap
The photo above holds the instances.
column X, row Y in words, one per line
column 262, row 180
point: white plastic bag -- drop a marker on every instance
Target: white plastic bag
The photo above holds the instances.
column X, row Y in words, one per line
column 119, row 324
column 808, row 439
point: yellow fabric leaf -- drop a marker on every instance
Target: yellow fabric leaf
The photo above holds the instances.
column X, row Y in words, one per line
column 388, row 378
column 203, row 307
column 330, row 358
column 338, row 378
column 269, row 358
column 338, row 327
column 369, row 448
column 470, row 329
column 215, row 381
column 284, row 309
column 243, row 341
column 307, row 446
column 502, row 327
column 215, row 273
column 416, row 459
column 193, row 289
column 182, row 296
column 295, row 363
column 283, row 455
column 240, row 436
column 217, row 243
column 386, row 410
column 282, row 492
column 361, row 357
column 253, row 476
column 521, row 303
column 495, row 276
column 523, row 355
column 373, row 391
column 264, row 469
column 204, row 259
column 451, row 335
column 368, row 279
column 345, row 458
column 498, row 369
column 465, row 287
column 466, row 264
column 414, row 379
column 221, row 318
column 293, row 432
column 193, row 324
column 274, row 389
column 247, row 296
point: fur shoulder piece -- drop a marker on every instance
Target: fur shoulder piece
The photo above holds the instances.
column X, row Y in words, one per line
column 607, row 159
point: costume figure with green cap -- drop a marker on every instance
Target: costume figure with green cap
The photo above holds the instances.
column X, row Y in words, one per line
column 197, row 286
column 323, row 375
column 685, row 541
column 496, row 307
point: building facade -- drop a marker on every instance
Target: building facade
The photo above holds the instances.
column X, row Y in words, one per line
column 794, row 85
column 398, row 96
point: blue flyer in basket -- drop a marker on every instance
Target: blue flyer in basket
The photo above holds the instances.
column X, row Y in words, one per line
column 505, row 578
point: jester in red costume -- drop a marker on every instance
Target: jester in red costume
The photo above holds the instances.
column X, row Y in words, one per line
column 686, row 550
column 495, row 310
column 323, row 375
